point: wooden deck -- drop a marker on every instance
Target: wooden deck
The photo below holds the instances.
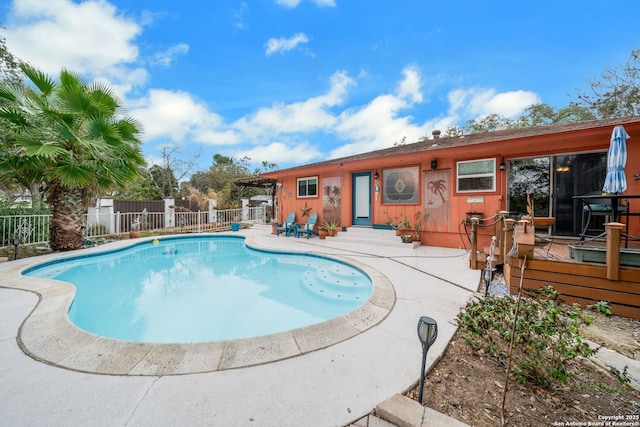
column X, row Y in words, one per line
column 548, row 263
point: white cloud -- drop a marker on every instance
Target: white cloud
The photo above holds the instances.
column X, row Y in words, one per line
column 283, row 45
column 288, row 3
column 294, row 3
column 379, row 123
column 480, row 102
column 239, row 15
column 165, row 58
column 321, row 3
column 410, row 87
column 89, row 37
column 282, row 153
column 174, row 115
column 306, row 116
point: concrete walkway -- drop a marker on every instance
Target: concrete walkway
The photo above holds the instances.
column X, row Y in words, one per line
column 335, row 386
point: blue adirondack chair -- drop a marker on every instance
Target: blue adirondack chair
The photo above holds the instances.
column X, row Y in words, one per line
column 308, row 228
column 287, row 226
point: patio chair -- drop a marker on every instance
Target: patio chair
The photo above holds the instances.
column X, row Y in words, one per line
column 287, row 226
column 600, row 207
column 309, row 227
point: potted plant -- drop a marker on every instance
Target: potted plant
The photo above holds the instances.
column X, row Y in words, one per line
column 418, row 220
column 331, row 227
column 135, row 228
column 322, row 233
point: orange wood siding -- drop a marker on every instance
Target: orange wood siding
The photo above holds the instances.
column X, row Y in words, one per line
column 585, row 140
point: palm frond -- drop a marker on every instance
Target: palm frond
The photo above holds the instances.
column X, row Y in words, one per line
column 41, row 80
column 74, row 175
column 14, row 116
column 40, row 149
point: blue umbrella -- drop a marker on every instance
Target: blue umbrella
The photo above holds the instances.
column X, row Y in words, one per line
column 616, row 182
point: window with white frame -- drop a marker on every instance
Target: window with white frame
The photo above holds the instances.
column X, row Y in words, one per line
column 308, row 187
column 476, row 175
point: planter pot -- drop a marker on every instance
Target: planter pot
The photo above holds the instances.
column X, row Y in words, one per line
column 235, row 226
column 332, row 232
column 399, row 231
column 322, row 234
column 596, row 254
column 134, row 234
column 415, row 237
column 406, row 238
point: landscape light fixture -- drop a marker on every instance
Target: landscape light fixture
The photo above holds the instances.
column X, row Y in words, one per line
column 16, row 243
column 487, row 276
column 427, row 333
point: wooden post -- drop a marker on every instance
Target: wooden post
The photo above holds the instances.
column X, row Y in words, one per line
column 613, row 249
column 507, row 244
column 499, row 233
column 473, row 260
column 525, row 239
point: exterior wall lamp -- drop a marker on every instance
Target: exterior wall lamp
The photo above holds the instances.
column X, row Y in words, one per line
column 502, row 166
column 376, row 175
column 434, row 164
column 427, row 333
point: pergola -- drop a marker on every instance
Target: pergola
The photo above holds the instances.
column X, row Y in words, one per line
column 258, row 182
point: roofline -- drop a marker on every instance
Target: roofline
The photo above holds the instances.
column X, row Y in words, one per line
column 477, row 138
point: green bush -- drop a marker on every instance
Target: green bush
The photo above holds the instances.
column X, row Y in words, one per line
column 547, row 333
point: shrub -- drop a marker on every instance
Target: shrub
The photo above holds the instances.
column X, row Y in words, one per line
column 546, row 333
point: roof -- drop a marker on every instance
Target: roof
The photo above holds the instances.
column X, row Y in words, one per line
column 256, row 181
column 478, row 138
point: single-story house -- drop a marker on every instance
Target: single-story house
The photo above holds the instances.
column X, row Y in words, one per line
column 451, row 179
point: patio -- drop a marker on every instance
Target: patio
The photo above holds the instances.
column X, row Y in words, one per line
column 337, row 384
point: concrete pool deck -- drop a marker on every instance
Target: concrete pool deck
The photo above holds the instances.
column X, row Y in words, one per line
column 331, row 386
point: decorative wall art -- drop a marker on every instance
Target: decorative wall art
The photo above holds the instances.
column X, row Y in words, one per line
column 436, row 198
column 400, row 186
column 331, row 198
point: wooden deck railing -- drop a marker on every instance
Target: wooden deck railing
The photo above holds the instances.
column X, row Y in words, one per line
column 582, row 282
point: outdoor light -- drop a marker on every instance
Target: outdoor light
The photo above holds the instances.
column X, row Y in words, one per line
column 427, row 333
column 487, row 276
column 502, row 165
column 434, row 164
column 16, row 243
column 376, row 175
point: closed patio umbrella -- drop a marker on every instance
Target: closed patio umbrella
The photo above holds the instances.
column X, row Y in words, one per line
column 616, row 182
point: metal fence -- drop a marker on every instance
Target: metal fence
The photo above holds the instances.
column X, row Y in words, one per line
column 34, row 229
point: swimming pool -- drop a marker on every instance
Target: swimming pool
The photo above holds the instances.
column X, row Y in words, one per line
column 204, row 288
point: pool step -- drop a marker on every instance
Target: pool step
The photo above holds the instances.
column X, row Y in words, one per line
column 335, row 283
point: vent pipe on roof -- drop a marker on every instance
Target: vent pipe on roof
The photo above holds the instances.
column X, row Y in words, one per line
column 436, row 134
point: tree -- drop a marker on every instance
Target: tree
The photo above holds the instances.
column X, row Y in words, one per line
column 164, row 180
column 9, row 64
column 544, row 115
column 220, row 178
column 142, row 189
column 617, row 92
column 69, row 137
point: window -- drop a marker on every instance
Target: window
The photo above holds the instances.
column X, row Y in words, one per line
column 308, row 187
column 476, row 176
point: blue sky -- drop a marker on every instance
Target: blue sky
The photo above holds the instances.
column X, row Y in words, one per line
column 298, row 81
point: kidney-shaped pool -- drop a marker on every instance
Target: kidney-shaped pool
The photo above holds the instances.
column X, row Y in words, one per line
column 204, row 288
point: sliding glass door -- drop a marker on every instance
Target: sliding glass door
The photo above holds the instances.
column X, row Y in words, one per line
column 551, row 182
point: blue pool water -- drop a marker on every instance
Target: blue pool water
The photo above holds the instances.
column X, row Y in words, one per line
column 204, row 288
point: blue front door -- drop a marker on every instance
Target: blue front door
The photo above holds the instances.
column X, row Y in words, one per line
column 361, row 204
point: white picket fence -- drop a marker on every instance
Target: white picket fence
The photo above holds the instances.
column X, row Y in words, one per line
column 34, row 229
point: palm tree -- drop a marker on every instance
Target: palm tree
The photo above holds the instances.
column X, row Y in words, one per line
column 70, row 139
